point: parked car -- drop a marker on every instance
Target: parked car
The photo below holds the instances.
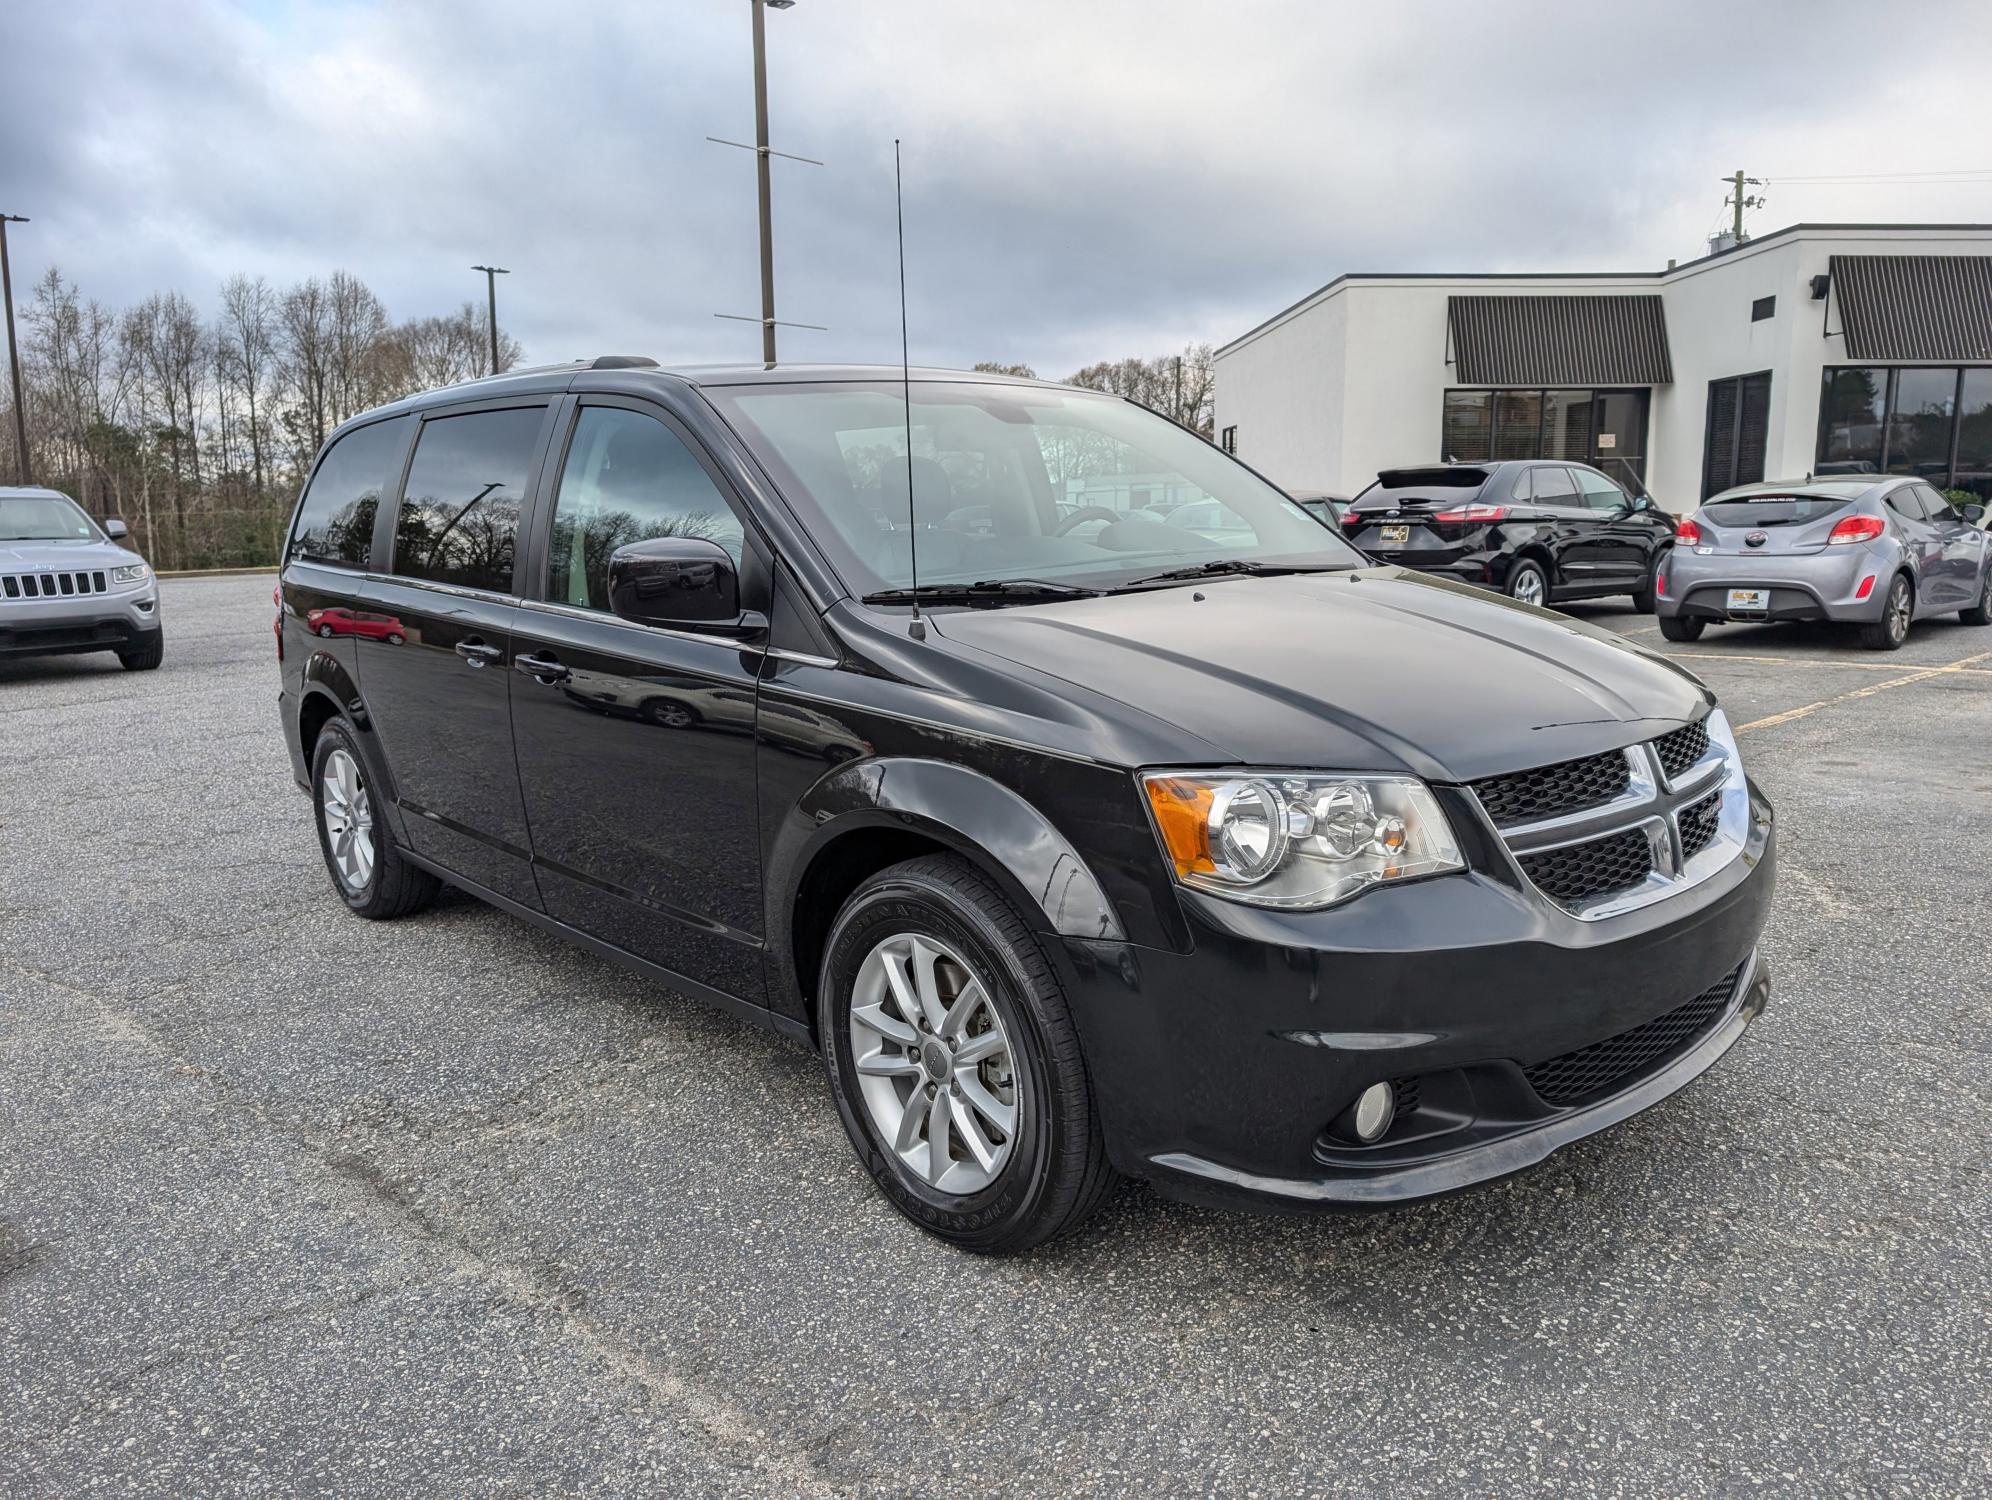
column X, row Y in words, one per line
column 1324, row 507
column 1877, row 553
column 1244, row 867
column 68, row 585
column 337, row 621
column 1541, row 532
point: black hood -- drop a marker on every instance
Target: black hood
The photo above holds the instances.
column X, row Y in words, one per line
column 1382, row 669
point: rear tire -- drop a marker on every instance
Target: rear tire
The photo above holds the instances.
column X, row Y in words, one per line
column 367, row 870
column 1892, row 629
column 1981, row 612
column 1643, row 597
column 146, row 656
column 1013, row 1189
column 1529, row 584
column 1682, row 627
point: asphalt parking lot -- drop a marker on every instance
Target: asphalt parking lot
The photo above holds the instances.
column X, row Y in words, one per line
column 291, row 1202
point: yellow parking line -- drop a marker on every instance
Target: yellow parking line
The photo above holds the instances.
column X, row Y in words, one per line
column 1866, row 692
column 1813, row 661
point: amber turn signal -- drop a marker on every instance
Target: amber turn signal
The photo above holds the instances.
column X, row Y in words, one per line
column 1182, row 813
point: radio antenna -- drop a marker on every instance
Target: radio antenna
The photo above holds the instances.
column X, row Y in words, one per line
column 918, row 628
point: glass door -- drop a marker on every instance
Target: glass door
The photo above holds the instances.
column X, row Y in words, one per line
column 1618, row 436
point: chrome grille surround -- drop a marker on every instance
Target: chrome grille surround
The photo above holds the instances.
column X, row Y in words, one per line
column 1695, row 820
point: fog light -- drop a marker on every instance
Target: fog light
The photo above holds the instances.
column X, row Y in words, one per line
column 1372, row 1115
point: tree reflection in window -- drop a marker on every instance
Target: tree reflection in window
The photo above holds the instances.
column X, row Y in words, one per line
column 627, row 478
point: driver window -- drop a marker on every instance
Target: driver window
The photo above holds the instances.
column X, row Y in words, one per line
column 1600, row 493
column 628, row 478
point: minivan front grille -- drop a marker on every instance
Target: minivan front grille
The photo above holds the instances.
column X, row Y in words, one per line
column 1682, row 748
column 1699, row 824
column 1618, row 1060
column 1577, row 874
column 51, row 585
column 1551, row 791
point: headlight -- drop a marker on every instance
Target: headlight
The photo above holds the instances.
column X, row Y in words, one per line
column 1298, row 840
column 129, row 573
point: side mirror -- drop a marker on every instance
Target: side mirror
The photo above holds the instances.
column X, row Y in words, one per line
column 116, row 530
column 679, row 581
column 1973, row 514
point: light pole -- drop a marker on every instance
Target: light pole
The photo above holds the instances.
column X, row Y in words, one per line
column 491, row 275
column 764, row 192
column 761, row 183
column 14, row 351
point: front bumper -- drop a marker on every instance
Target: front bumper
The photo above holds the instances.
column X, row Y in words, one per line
column 86, row 622
column 1822, row 585
column 1220, row 1072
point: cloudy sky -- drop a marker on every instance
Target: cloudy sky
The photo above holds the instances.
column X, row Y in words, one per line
column 1084, row 180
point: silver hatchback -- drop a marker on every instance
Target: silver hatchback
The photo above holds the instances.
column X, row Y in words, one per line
column 1873, row 552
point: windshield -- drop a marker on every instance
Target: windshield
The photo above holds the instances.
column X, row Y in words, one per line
column 44, row 518
column 1012, row 482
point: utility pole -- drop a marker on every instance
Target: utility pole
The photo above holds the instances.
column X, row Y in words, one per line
column 1738, row 201
column 763, row 188
column 14, row 351
column 491, row 275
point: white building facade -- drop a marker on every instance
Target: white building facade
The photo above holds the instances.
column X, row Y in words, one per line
column 1820, row 348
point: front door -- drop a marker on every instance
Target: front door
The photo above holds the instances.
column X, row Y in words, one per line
column 635, row 744
column 436, row 667
column 1739, row 425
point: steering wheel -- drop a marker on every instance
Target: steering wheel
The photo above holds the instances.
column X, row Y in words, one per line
column 1084, row 514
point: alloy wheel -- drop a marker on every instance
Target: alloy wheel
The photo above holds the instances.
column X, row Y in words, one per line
column 934, row 1063
column 1898, row 609
column 1529, row 587
column 348, row 813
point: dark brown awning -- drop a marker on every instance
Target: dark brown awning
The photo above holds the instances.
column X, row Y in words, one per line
column 1543, row 341
column 1914, row 306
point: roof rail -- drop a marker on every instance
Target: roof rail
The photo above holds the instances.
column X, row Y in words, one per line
column 622, row 362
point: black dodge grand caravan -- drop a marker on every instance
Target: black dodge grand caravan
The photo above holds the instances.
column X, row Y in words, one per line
column 1128, row 835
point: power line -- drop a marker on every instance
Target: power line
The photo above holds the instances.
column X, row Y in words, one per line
column 1953, row 174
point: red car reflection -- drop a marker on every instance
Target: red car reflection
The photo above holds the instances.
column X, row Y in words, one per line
column 336, row 621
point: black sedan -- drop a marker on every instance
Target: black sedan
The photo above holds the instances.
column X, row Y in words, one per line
column 1539, row 531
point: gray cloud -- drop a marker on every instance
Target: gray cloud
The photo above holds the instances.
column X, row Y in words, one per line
column 1083, row 181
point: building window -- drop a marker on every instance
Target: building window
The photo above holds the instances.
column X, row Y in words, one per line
column 1739, row 425
column 1931, row 421
column 1229, row 440
column 1606, row 429
column 1762, row 308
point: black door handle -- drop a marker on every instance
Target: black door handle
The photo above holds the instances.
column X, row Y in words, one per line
column 476, row 653
column 542, row 669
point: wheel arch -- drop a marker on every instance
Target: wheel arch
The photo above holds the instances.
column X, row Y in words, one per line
column 867, row 815
column 328, row 691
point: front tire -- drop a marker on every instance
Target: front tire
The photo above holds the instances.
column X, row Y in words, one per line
column 146, row 656
column 367, row 869
column 1981, row 612
column 1682, row 627
column 1528, row 584
column 1892, row 629
column 954, row 1061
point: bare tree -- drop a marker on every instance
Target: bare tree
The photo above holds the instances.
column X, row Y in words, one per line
column 1182, row 387
column 248, row 342
column 992, row 367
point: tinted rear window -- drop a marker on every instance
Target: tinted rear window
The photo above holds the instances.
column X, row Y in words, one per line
column 1449, row 485
column 1773, row 510
column 336, row 522
column 459, row 520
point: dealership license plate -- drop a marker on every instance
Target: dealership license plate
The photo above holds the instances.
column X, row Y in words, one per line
column 1394, row 534
column 1744, row 601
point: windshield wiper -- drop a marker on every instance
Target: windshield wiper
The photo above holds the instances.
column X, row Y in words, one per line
column 1231, row 565
column 989, row 590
